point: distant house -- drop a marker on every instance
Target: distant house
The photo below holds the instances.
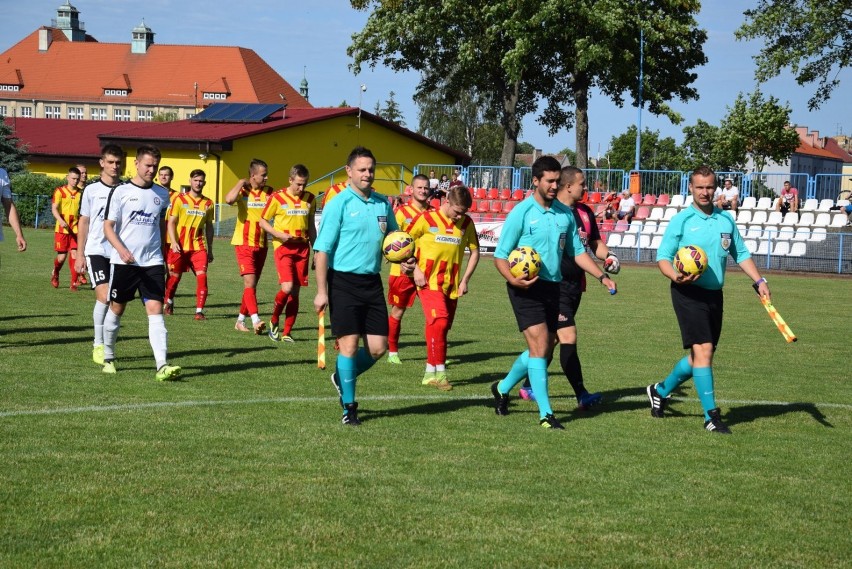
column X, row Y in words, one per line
column 811, row 161
column 61, row 72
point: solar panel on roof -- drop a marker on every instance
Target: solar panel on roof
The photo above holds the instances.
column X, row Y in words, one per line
column 237, row 112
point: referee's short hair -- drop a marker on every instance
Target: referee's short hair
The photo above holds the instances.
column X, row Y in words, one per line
column 359, row 152
column 702, row 171
column 545, row 164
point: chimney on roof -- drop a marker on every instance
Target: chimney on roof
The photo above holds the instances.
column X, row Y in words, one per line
column 45, row 38
column 68, row 20
column 143, row 38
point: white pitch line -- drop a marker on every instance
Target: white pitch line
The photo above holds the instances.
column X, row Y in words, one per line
column 210, row 403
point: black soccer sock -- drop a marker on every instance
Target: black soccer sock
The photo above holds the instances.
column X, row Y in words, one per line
column 570, row 361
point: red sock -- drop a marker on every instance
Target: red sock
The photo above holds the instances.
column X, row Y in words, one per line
column 429, row 335
column 394, row 326
column 73, row 268
column 278, row 307
column 171, row 287
column 290, row 313
column 439, row 340
column 243, row 304
column 57, row 266
column 250, row 300
column 201, row 291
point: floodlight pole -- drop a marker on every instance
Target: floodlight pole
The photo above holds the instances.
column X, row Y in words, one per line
column 639, row 121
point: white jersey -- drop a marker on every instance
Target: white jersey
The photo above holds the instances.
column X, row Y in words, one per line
column 93, row 205
column 6, row 193
column 137, row 213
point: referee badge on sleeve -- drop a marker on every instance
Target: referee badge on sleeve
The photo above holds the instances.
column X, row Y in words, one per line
column 383, row 223
column 726, row 241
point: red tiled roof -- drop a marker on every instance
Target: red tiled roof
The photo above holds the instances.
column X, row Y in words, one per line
column 809, row 150
column 165, row 75
column 60, row 137
column 832, row 146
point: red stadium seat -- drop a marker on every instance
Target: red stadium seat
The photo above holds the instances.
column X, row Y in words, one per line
column 505, row 194
column 650, row 199
column 518, row 195
column 482, row 206
column 664, row 199
column 594, row 197
column 496, row 206
column 642, row 213
column 487, row 217
column 621, row 226
column 607, row 225
column 479, row 193
column 493, row 194
column 508, row 206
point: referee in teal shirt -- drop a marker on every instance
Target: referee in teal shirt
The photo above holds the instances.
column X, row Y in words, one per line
column 543, row 223
column 697, row 299
column 348, row 257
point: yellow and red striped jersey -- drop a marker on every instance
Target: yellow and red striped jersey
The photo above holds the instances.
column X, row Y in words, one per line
column 67, row 200
column 404, row 216
column 440, row 249
column 290, row 214
column 250, row 206
column 333, row 191
column 192, row 218
column 173, row 194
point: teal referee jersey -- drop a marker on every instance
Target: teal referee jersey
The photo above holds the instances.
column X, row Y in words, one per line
column 352, row 229
column 716, row 233
column 550, row 231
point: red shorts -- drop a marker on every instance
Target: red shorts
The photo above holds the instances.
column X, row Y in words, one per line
column 64, row 242
column 180, row 262
column 250, row 259
column 401, row 291
column 437, row 305
column 292, row 263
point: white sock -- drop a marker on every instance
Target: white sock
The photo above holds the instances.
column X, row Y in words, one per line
column 255, row 318
column 430, row 368
column 393, row 354
column 158, row 336
column 111, row 325
column 441, row 367
column 98, row 315
column 241, row 318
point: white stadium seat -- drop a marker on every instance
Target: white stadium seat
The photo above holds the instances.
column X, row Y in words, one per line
column 764, row 204
column 759, row 217
column 688, row 201
column 822, row 220
column 802, row 234
column 842, row 203
column 775, row 218
column 644, row 241
column 839, row 220
column 614, row 240
column 628, row 240
column 661, row 228
column 656, row 213
column 763, row 247
column 770, row 232
column 649, row 228
column 670, row 213
column 751, row 245
column 781, row 248
column 818, row 234
column 810, row 205
column 656, row 241
column 792, row 218
column 677, row 201
column 806, row 219
column 798, row 249
column 749, row 203
column 825, row 205
column 753, row 232
column 785, row 233
column 744, row 216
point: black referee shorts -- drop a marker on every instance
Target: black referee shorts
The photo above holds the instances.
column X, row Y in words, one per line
column 538, row 304
column 699, row 314
column 357, row 304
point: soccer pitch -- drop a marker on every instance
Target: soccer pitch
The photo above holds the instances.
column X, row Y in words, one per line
column 244, row 462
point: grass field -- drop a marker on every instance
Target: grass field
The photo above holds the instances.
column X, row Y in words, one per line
column 244, row 463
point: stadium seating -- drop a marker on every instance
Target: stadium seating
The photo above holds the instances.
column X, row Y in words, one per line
column 664, row 200
column 764, row 203
column 676, row 201
column 508, row 206
column 493, row 194
column 842, row 203
column 657, row 213
column 649, row 200
column 482, row 206
column 810, row 205
column 775, row 218
column 505, row 194
column 754, row 232
column 791, row 219
column 749, row 203
column 614, row 240
column 496, row 207
column 670, row 213
column 781, row 248
column 825, row 205
column 818, row 234
column 806, row 219
column 802, row 234
column 518, row 195
column 642, row 213
column 656, row 241
column 661, row 228
column 762, row 247
column 479, row 194
column 798, row 249
column 621, row 226
column 823, row 219
column 628, row 240
column 649, row 228
column 687, row 201
column 594, row 197
column 644, row 241
column 839, row 220
column 607, row 225
column 751, row 245
column 759, row 217
column 744, row 216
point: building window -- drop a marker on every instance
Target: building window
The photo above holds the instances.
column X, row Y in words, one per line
column 26, row 111
column 13, row 88
column 122, row 114
column 99, row 114
column 51, row 112
column 144, row 116
column 188, row 115
column 76, row 113
column 115, row 92
column 4, row 110
column 215, row 96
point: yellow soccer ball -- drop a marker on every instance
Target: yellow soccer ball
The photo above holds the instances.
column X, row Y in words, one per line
column 690, row 260
column 398, row 246
column 524, row 262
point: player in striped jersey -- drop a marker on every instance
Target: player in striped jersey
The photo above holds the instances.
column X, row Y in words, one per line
column 65, row 206
column 250, row 196
column 190, row 229
column 93, row 250
column 401, row 289
column 442, row 237
column 331, row 192
column 289, row 218
column 165, row 175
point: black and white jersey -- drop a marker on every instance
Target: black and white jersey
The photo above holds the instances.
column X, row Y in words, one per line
column 93, row 205
column 137, row 213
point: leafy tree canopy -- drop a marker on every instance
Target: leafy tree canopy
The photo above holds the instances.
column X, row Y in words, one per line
column 813, row 38
column 12, row 153
column 655, row 154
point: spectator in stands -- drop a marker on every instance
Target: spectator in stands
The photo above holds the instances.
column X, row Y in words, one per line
column 611, row 201
column 727, row 197
column 627, row 206
column 456, row 181
column 788, row 200
column 433, row 181
column 443, row 187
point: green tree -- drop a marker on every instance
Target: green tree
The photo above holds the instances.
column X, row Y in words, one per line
column 758, row 129
column 570, row 154
column 504, row 47
column 165, row 116
column 599, row 46
column 391, row 111
column 467, row 124
column 811, row 37
column 656, row 153
column 524, row 148
column 13, row 154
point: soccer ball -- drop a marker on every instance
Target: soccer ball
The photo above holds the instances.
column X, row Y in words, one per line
column 690, row 260
column 398, row 246
column 524, row 260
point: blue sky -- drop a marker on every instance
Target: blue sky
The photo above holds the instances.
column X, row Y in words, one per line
column 313, row 38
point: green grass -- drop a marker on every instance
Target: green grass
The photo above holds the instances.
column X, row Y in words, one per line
column 244, row 462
